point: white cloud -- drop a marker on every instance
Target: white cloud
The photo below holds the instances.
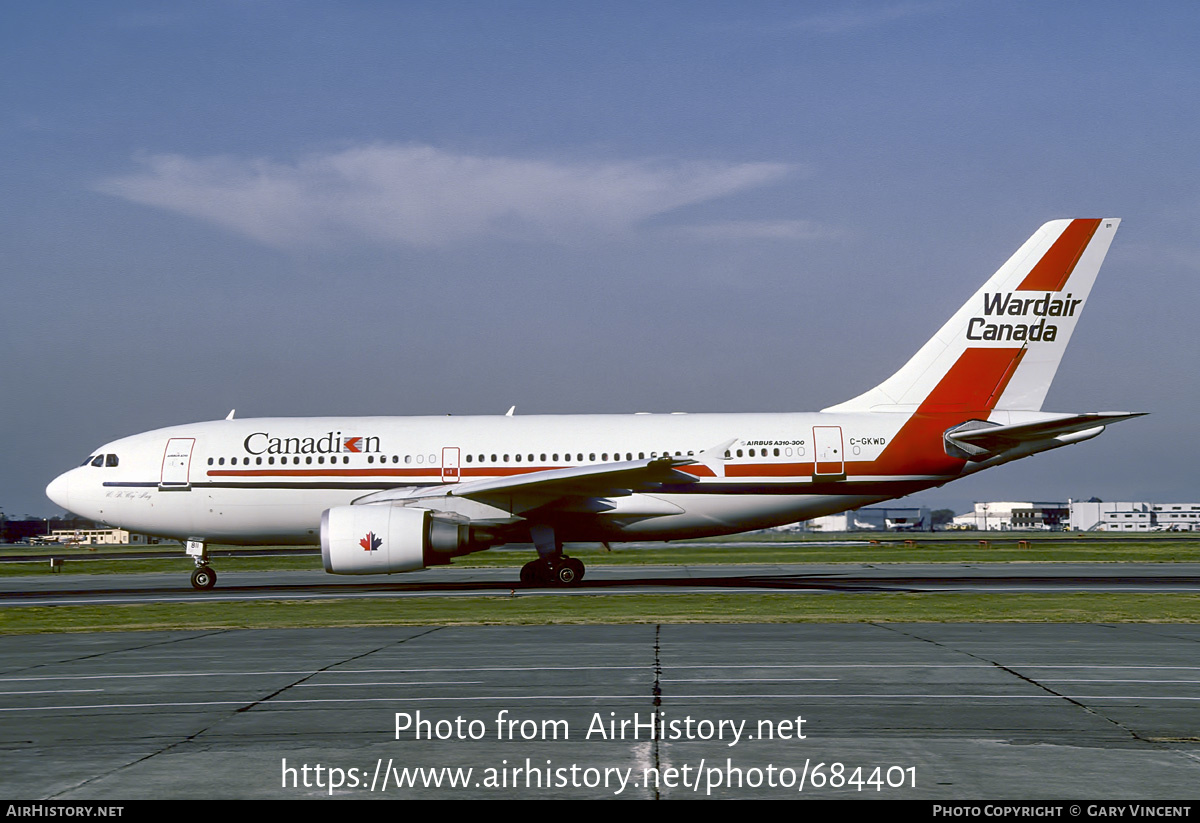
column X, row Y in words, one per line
column 764, row 230
column 423, row 196
column 862, row 16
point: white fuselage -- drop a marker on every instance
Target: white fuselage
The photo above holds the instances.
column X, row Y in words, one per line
column 268, row 480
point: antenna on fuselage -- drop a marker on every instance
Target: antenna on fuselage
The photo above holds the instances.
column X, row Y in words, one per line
column 510, row 411
column 230, row 415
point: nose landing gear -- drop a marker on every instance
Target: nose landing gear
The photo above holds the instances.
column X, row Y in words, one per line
column 204, row 576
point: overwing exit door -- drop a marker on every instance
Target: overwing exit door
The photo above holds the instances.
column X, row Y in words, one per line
column 451, row 470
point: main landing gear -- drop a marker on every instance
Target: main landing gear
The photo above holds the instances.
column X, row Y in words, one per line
column 552, row 568
column 553, row 571
column 205, row 576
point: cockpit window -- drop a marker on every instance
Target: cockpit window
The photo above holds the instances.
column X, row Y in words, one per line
column 99, row 461
column 88, row 459
column 110, row 460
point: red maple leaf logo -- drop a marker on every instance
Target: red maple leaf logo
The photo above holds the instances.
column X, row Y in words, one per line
column 370, row 542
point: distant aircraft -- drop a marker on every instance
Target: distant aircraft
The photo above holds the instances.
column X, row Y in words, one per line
column 396, row 494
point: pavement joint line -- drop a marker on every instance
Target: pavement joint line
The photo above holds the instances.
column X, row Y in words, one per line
column 125, row 649
column 461, row 669
column 1012, row 671
column 634, row 697
column 316, row 672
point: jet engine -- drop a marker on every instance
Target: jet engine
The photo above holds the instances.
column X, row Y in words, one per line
column 382, row 539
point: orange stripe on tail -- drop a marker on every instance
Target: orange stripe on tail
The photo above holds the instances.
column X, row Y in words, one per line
column 1056, row 265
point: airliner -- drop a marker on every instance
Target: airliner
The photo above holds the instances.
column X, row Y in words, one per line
column 395, row 494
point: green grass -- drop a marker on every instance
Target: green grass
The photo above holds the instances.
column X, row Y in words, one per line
column 942, row 547
column 528, row 608
column 525, row 609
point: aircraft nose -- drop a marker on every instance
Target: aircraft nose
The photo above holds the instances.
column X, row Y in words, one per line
column 59, row 491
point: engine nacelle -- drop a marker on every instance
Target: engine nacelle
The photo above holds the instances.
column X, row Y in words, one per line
column 382, row 539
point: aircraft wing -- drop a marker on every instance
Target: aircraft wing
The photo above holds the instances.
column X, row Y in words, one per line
column 539, row 487
column 979, row 439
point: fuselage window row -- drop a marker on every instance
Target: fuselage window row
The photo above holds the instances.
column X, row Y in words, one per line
column 431, row 459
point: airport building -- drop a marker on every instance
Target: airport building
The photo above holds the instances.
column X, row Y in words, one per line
column 1135, row 517
column 875, row 518
column 54, row 531
column 1073, row 515
column 98, row 537
column 1013, row 516
column 23, row 531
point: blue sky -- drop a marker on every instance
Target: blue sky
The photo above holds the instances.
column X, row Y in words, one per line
column 299, row 208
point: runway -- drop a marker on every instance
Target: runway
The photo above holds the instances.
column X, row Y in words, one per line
column 610, row 580
column 928, row 711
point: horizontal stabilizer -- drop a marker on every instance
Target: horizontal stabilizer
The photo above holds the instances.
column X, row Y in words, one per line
column 978, row 440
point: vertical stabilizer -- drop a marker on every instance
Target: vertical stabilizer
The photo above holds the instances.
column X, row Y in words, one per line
column 1002, row 348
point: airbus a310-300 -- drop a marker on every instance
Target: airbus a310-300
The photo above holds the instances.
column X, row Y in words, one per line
column 396, row 494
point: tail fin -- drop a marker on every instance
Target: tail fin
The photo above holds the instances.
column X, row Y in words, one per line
column 1003, row 347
